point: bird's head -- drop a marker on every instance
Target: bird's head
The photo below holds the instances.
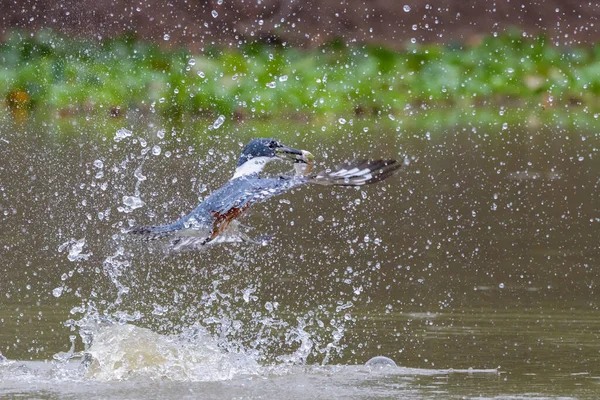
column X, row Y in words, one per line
column 259, row 152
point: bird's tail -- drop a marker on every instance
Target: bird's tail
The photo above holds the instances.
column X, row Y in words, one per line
column 154, row 232
column 357, row 173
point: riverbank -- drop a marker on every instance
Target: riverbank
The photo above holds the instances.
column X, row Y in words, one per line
column 69, row 78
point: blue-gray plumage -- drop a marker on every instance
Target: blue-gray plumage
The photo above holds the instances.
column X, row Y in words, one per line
column 212, row 221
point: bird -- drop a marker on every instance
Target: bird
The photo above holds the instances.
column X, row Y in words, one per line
column 215, row 219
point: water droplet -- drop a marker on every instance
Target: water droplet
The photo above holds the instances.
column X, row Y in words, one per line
column 156, row 150
column 272, row 85
column 57, row 292
column 342, row 121
column 122, row 134
column 192, row 61
column 133, row 202
column 218, row 122
column 138, row 175
column 159, row 310
column 283, row 78
column 406, row 8
column 510, row 70
column 166, row 36
column 247, row 294
column 501, row 285
column 98, row 164
column 214, row 13
column 201, row 74
column 161, row 100
column 75, row 248
column 320, row 218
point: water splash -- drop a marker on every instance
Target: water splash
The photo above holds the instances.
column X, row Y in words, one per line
column 298, row 335
column 75, row 248
column 240, row 328
column 127, row 351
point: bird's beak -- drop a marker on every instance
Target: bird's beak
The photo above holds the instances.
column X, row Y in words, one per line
column 285, row 152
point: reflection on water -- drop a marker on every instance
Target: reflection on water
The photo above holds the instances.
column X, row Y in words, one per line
column 481, row 254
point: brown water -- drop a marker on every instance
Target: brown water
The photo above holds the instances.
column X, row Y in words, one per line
column 482, row 253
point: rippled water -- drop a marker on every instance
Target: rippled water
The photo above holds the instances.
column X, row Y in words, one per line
column 474, row 269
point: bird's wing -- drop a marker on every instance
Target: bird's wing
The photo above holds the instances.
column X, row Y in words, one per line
column 247, row 192
column 357, row 173
column 354, row 173
column 254, row 190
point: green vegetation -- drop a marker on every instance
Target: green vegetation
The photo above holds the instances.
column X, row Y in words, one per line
column 75, row 77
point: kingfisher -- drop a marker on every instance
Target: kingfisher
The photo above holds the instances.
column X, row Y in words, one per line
column 215, row 220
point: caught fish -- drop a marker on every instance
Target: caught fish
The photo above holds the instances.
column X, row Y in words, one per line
column 304, row 163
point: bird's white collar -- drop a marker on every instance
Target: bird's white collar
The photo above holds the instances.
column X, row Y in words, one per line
column 253, row 166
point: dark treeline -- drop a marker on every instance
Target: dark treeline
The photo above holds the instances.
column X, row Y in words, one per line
column 308, row 22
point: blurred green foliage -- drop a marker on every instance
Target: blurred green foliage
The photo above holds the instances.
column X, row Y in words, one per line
column 74, row 77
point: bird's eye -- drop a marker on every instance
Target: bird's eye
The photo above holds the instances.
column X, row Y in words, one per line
column 274, row 144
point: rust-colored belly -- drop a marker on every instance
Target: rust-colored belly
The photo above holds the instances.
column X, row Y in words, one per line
column 222, row 220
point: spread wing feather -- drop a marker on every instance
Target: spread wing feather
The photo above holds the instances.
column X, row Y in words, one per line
column 358, row 173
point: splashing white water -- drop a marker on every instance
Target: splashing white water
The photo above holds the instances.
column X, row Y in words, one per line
column 75, row 248
column 127, row 351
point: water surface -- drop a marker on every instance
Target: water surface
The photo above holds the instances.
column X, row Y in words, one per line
column 481, row 254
